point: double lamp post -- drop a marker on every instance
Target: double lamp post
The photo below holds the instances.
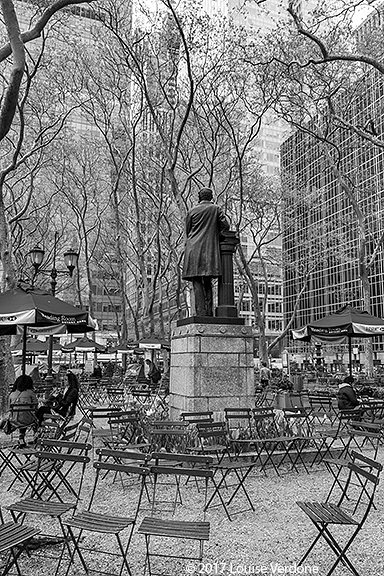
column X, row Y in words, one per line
column 71, row 258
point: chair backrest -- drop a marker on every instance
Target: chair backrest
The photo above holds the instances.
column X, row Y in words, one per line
column 360, row 488
column 264, row 423
column 22, row 412
column 124, row 425
column 96, row 414
column 194, row 417
column 373, row 410
column 320, row 403
column 365, row 435
column 125, row 464
column 238, row 422
column 345, row 416
column 297, row 420
column 187, row 466
column 115, row 397
column 212, row 433
column 60, row 475
column 169, row 435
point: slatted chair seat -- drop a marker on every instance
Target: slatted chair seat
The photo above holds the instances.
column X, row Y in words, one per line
column 350, row 510
column 102, row 523
column 14, row 539
column 13, row 534
column 327, row 513
column 191, row 468
column 175, row 528
column 82, row 527
column 36, row 506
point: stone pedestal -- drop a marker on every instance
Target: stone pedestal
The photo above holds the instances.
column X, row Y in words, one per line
column 211, row 367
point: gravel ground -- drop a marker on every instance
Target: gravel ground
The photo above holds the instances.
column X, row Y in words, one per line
column 268, row 541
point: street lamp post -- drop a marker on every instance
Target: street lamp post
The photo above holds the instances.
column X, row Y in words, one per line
column 71, row 258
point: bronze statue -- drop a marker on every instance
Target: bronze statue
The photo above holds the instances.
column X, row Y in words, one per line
column 202, row 260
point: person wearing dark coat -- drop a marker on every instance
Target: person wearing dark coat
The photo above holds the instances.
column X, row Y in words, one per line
column 202, row 258
column 347, row 399
column 63, row 404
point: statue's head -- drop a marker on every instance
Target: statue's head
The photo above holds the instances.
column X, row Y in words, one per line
column 205, row 194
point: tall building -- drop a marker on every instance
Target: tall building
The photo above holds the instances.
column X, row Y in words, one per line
column 321, row 228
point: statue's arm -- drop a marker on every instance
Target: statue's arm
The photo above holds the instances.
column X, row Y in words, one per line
column 188, row 225
column 223, row 221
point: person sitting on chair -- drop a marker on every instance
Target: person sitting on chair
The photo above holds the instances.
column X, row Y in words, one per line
column 154, row 374
column 63, row 404
column 347, row 399
column 22, row 393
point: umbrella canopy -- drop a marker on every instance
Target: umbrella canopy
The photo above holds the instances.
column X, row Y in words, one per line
column 26, row 306
column 123, row 348
column 36, row 346
column 83, row 345
column 154, row 343
column 348, row 322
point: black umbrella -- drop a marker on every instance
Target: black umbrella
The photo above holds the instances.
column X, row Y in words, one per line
column 35, row 346
column 26, row 306
column 348, row 322
column 83, row 345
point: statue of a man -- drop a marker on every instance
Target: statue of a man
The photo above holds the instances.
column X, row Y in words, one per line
column 202, row 260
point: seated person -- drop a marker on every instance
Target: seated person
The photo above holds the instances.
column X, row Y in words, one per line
column 154, row 374
column 347, row 399
column 22, row 393
column 63, row 404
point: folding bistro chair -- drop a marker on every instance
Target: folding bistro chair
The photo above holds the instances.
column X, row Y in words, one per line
column 213, row 439
column 168, row 435
column 100, row 521
column 17, row 411
column 321, row 410
column 194, row 417
column 178, row 530
column 55, row 492
column 125, row 430
column 362, row 436
column 116, row 398
column 238, row 422
column 226, row 490
column 270, row 447
column 14, row 540
column 348, row 515
column 336, row 438
column 160, row 486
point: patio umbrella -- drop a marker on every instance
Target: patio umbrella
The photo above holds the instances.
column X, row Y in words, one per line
column 83, row 345
column 35, row 346
column 154, row 343
column 27, row 306
column 346, row 323
column 122, row 348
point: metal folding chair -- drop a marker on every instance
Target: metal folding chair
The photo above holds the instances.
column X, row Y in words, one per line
column 160, row 500
column 227, row 490
column 55, row 492
column 168, row 435
column 362, row 436
column 165, row 528
column 125, row 430
column 238, row 422
column 348, row 515
column 14, row 540
column 17, row 411
column 116, row 398
column 213, row 438
column 98, row 524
